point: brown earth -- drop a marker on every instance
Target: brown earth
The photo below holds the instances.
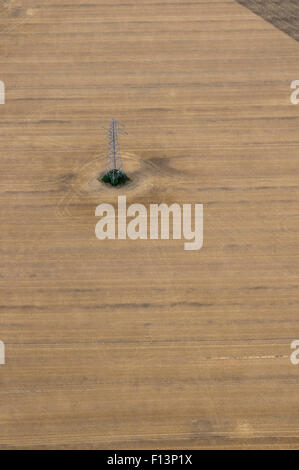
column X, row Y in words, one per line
column 282, row 14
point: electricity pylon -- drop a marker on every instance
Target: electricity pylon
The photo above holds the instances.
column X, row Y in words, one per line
column 113, row 160
column 114, row 174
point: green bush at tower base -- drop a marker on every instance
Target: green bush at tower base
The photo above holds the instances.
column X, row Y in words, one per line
column 115, row 177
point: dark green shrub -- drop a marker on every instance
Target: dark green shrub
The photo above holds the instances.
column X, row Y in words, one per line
column 115, row 177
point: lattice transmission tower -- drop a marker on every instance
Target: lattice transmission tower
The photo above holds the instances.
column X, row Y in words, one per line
column 114, row 173
column 113, row 160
